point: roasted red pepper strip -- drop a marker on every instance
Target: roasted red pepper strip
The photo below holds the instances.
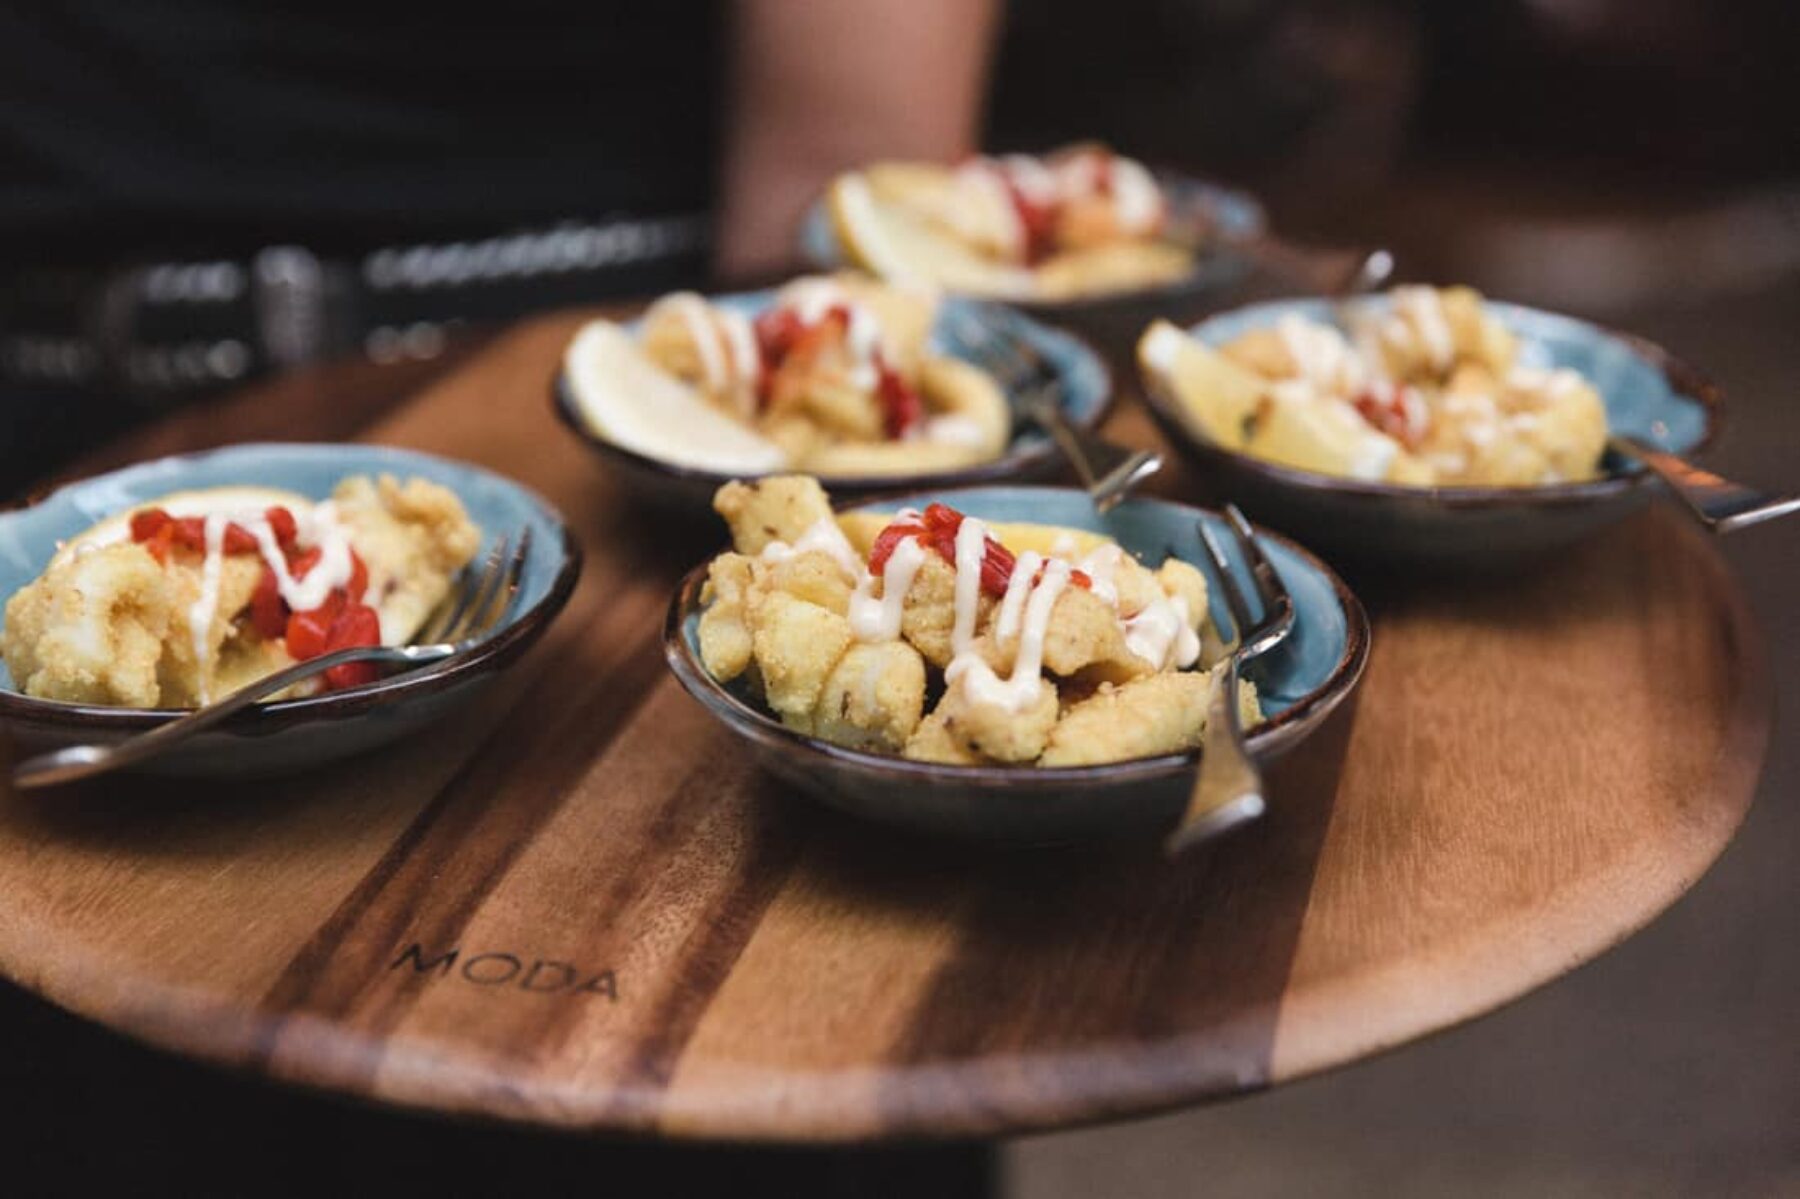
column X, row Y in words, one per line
column 155, row 527
column 281, row 521
column 268, row 611
column 937, row 530
column 356, row 625
column 901, row 407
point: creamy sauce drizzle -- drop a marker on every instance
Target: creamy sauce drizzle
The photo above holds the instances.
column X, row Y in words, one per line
column 877, row 618
column 971, row 548
column 1163, row 633
column 811, row 299
column 1137, row 201
column 823, row 536
column 1426, row 309
column 315, row 527
column 1024, row 685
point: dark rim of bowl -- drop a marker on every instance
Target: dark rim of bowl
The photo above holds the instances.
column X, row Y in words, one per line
column 1016, row 461
column 767, row 730
column 1216, row 263
column 1684, row 380
column 17, row 707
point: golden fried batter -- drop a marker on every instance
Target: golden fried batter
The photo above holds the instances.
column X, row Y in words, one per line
column 779, row 508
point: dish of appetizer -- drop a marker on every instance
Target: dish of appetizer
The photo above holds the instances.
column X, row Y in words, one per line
column 1426, row 388
column 1062, row 697
column 1079, row 222
column 1426, row 424
column 844, row 377
column 941, row 638
column 139, row 593
column 185, row 599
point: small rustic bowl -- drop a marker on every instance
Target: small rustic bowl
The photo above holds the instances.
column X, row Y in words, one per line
column 289, row 735
column 1234, row 216
column 1300, row 683
column 1649, row 394
column 1085, row 393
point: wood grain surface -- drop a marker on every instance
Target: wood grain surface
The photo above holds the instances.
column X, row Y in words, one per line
column 577, row 904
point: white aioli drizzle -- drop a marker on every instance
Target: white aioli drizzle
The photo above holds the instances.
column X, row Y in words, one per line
column 1018, row 588
column 1137, row 201
column 1320, row 353
column 813, row 298
column 1163, row 633
column 1022, row 687
column 1426, row 308
column 1100, row 565
column 875, row 618
column 319, row 527
column 824, row 536
column 971, row 548
column 953, row 429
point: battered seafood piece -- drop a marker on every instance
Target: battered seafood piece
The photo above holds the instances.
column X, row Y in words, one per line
column 1427, row 389
column 188, row 598
column 836, row 377
column 937, row 637
column 1081, row 221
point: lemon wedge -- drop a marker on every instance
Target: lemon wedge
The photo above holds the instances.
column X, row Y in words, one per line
column 889, row 242
column 1216, row 392
column 632, row 402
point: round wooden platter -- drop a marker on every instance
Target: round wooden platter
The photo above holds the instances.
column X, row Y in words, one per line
column 579, row 905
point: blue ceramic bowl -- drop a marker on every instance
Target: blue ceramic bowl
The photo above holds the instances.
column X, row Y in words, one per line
column 1085, row 393
column 1233, row 214
column 1649, row 394
column 292, row 734
column 1300, row 683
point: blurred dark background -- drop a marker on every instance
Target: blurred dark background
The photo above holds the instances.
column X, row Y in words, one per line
column 1635, row 161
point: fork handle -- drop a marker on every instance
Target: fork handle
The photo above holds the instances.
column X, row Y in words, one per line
column 1228, row 789
column 1715, row 502
column 84, row 761
column 1107, row 469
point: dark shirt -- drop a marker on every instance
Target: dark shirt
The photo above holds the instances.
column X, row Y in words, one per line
column 172, row 127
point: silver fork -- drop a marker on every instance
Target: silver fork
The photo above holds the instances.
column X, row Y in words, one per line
column 1228, row 790
column 1108, row 471
column 1720, row 505
column 478, row 602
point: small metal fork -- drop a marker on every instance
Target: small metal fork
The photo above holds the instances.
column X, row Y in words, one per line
column 478, row 602
column 1108, row 471
column 1228, row 790
column 1720, row 505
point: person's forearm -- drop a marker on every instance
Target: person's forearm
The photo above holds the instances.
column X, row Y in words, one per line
column 820, row 86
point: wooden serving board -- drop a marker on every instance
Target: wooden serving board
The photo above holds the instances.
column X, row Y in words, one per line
column 577, row 904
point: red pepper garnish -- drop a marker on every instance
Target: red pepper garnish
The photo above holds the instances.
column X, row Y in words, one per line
column 936, row 529
column 1387, row 415
column 285, row 529
column 901, row 407
column 359, row 578
column 148, row 523
column 308, row 632
column 301, row 564
column 157, row 530
column 356, row 625
column 268, row 611
column 1037, row 219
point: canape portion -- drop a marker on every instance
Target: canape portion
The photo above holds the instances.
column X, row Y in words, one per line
column 1427, row 387
column 183, row 600
column 1080, row 221
column 836, row 377
column 935, row 636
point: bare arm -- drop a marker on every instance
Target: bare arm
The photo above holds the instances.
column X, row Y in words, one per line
column 819, row 87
